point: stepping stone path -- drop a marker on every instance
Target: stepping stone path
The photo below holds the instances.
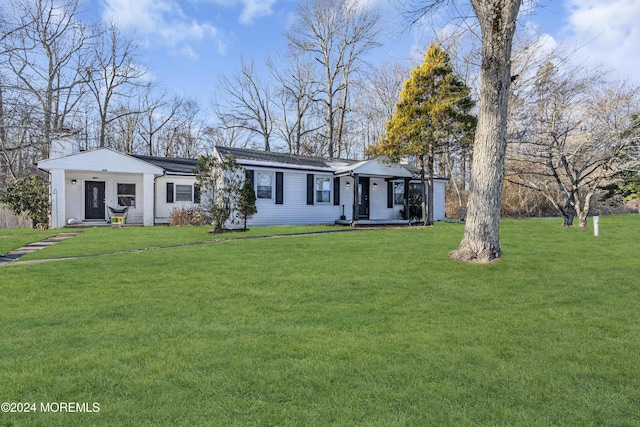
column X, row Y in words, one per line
column 32, row 247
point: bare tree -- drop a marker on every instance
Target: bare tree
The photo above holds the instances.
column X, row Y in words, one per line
column 298, row 90
column 375, row 101
column 575, row 134
column 12, row 110
column 182, row 136
column 249, row 103
column 497, row 21
column 123, row 133
column 223, row 136
column 112, row 73
column 48, row 54
column 336, row 34
column 157, row 111
column 481, row 236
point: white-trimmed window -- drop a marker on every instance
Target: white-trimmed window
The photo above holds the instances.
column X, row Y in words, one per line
column 323, row 190
column 126, row 195
column 184, row 193
column 264, row 185
column 398, row 193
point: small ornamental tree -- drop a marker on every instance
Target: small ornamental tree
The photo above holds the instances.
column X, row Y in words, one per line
column 29, row 195
column 220, row 181
column 247, row 202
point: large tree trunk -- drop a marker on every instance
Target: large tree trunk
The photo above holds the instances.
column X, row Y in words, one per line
column 567, row 220
column 584, row 212
column 582, row 220
column 497, row 20
column 567, row 211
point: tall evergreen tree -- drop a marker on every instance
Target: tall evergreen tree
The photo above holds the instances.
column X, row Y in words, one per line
column 247, row 202
column 434, row 107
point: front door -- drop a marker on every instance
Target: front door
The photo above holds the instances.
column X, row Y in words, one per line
column 94, row 200
column 363, row 198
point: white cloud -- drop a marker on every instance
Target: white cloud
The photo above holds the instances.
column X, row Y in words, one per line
column 609, row 32
column 251, row 9
column 160, row 22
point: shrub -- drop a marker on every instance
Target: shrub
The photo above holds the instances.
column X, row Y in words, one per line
column 29, row 195
column 187, row 216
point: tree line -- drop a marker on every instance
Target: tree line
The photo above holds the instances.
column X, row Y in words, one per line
column 60, row 74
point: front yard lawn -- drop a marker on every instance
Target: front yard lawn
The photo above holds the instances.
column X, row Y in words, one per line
column 375, row 328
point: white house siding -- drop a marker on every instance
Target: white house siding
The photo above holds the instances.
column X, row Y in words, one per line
column 294, row 209
column 346, row 197
column 378, row 206
column 378, row 201
column 438, row 199
column 151, row 178
column 163, row 209
column 101, row 165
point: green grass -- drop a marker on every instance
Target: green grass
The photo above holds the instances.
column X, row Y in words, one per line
column 106, row 240
column 15, row 238
column 372, row 328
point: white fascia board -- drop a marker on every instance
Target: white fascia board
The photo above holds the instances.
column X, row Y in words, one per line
column 278, row 165
column 101, row 160
column 376, row 168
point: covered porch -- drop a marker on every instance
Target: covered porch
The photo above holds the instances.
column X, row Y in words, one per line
column 376, row 193
column 85, row 185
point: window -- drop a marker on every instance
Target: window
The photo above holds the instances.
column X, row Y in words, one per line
column 398, row 193
column 323, row 190
column 184, row 193
column 169, row 192
column 264, row 183
column 126, row 195
column 196, row 193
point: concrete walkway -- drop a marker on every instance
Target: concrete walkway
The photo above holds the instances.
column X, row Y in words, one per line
column 32, row 247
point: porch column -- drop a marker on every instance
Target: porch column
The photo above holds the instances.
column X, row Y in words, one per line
column 148, row 199
column 58, row 202
column 356, row 192
column 406, row 199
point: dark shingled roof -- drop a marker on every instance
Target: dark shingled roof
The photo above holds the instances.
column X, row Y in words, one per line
column 171, row 165
column 187, row 166
column 270, row 156
column 416, row 172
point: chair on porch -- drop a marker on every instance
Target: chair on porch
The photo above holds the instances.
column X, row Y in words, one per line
column 118, row 213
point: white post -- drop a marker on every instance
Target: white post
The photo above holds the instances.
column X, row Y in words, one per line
column 148, row 199
column 58, row 196
column 596, row 225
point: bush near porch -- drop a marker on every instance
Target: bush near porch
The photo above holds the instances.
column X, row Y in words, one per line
column 359, row 328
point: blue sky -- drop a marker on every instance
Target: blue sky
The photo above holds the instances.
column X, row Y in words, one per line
column 186, row 44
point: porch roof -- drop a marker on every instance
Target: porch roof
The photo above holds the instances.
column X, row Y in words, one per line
column 101, row 160
column 416, row 173
column 378, row 167
column 173, row 166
